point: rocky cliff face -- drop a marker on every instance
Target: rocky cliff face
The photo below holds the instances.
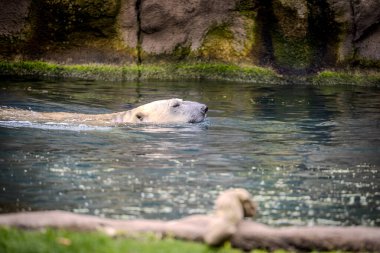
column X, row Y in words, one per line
column 290, row 35
column 359, row 37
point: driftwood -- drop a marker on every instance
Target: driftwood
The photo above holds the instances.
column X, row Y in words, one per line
column 249, row 234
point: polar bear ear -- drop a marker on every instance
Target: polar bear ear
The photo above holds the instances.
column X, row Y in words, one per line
column 249, row 208
column 248, row 205
column 175, row 102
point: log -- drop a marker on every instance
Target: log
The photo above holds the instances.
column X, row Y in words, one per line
column 249, row 235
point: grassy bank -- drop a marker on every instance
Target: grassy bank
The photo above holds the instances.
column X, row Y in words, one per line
column 351, row 77
column 59, row 241
column 197, row 71
column 52, row 70
column 182, row 71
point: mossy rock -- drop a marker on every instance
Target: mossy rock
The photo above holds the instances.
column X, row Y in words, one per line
column 221, row 43
column 62, row 19
column 292, row 53
column 79, row 31
column 246, row 8
column 217, row 43
column 353, row 77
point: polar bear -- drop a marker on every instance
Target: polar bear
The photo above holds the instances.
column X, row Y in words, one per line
column 173, row 110
column 231, row 207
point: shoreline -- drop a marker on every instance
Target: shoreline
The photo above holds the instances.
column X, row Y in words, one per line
column 197, row 71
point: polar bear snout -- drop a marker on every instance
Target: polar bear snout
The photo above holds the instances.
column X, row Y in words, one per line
column 194, row 112
column 204, row 109
column 202, row 114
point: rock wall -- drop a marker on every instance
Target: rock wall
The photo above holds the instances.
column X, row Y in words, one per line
column 359, row 38
column 296, row 36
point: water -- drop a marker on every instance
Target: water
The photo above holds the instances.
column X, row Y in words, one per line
column 308, row 154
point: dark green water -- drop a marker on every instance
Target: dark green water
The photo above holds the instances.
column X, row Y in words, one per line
column 308, row 155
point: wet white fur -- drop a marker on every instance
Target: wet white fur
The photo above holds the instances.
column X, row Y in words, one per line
column 162, row 111
column 230, row 208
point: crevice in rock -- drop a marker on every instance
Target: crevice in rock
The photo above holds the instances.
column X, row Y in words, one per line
column 138, row 35
column 367, row 32
column 266, row 22
column 354, row 28
column 322, row 32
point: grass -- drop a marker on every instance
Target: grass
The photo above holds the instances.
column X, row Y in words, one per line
column 182, row 71
column 229, row 72
column 189, row 71
column 62, row 241
column 52, row 70
column 360, row 78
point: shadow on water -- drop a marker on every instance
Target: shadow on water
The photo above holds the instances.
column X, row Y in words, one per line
column 309, row 154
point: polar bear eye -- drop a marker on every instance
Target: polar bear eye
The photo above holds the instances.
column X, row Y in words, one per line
column 139, row 117
column 176, row 105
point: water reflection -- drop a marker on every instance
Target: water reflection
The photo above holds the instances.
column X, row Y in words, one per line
column 309, row 155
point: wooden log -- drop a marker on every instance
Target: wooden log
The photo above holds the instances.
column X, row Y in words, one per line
column 249, row 234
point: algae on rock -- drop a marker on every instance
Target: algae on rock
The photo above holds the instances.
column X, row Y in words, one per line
column 229, row 43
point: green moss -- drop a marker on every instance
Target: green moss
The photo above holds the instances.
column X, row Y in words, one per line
column 247, row 8
column 217, row 71
column 222, row 31
column 245, row 5
column 362, row 78
column 221, row 44
column 34, row 68
column 101, row 72
column 180, row 71
column 209, row 71
column 217, row 44
column 191, row 71
column 181, row 52
column 292, row 53
column 366, row 63
column 293, row 47
column 51, row 70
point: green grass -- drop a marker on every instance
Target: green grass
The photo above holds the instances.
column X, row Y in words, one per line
column 182, row 71
column 228, row 72
column 360, row 78
column 52, row 70
column 14, row 240
column 61, row 241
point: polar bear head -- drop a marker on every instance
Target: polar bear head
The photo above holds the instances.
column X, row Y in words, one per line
column 235, row 204
column 165, row 111
column 230, row 209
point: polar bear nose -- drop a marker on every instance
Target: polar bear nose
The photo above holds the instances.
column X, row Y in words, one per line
column 204, row 109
